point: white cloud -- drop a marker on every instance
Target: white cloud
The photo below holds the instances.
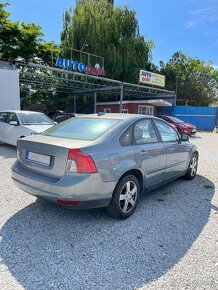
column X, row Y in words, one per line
column 190, row 24
column 202, row 16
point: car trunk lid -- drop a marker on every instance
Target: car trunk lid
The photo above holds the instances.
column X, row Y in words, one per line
column 47, row 155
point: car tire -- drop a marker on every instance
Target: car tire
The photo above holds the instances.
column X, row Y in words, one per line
column 192, row 168
column 125, row 198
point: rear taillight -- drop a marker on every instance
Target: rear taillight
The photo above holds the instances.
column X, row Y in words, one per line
column 80, row 162
column 69, row 202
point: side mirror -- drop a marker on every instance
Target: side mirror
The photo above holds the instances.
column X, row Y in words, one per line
column 184, row 137
column 13, row 123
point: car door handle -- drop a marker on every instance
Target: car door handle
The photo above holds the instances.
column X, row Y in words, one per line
column 143, row 152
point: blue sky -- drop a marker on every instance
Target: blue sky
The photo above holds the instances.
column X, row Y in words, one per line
column 187, row 25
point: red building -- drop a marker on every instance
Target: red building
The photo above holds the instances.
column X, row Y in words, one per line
column 148, row 107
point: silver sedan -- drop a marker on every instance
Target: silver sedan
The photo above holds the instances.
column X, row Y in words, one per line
column 104, row 160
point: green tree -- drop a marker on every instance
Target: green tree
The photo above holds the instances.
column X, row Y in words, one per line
column 3, row 13
column 112, row 32
column 17, row 39
column 194, row 80
column 21, row 40
column 46, row 52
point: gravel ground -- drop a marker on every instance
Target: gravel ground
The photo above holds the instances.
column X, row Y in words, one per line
column 171, row 242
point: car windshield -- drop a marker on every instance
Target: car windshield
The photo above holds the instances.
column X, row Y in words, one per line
column 88, row 129
column 35, row 119
column 174, row 119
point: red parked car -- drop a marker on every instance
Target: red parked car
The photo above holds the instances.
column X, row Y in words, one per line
column 181, row 126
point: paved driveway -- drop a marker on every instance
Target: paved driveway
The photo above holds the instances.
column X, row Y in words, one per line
column 171, row 242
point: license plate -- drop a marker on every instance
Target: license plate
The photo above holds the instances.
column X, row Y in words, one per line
column 38, row 158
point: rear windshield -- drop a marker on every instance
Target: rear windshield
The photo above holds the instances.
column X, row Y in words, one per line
column 88, row 129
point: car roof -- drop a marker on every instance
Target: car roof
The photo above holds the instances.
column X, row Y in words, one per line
column 120, row 116
column 19, row 111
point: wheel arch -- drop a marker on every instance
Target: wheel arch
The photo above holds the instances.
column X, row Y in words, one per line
column 138, row 174
column 196, row 152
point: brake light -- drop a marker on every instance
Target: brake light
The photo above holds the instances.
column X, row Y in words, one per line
column 80, row 162
column 61, row 201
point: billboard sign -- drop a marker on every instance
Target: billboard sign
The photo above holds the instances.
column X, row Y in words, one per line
column 147, row 77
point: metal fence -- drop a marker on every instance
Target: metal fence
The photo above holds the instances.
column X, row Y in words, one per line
column 204, row 118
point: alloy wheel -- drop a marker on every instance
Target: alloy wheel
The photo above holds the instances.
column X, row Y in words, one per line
column 128, row 196
column 193, row 166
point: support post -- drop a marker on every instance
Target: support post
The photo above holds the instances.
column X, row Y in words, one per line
column 74, row 103
column 176, row 89
column 95, row 101
column 121, row 98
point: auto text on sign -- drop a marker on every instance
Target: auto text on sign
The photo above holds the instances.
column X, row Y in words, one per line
column 79, row 66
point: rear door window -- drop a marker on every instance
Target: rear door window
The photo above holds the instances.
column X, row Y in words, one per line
column 144, row 132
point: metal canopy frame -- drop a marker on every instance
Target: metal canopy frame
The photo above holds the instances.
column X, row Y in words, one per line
column 74, row 84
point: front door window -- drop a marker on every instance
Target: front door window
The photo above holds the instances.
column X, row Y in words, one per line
column 12, row 117
column 168, row 134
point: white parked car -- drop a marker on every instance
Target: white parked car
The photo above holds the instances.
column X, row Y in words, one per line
column 19, row 124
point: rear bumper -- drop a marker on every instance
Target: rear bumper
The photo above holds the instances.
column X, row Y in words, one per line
column 88, row 189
